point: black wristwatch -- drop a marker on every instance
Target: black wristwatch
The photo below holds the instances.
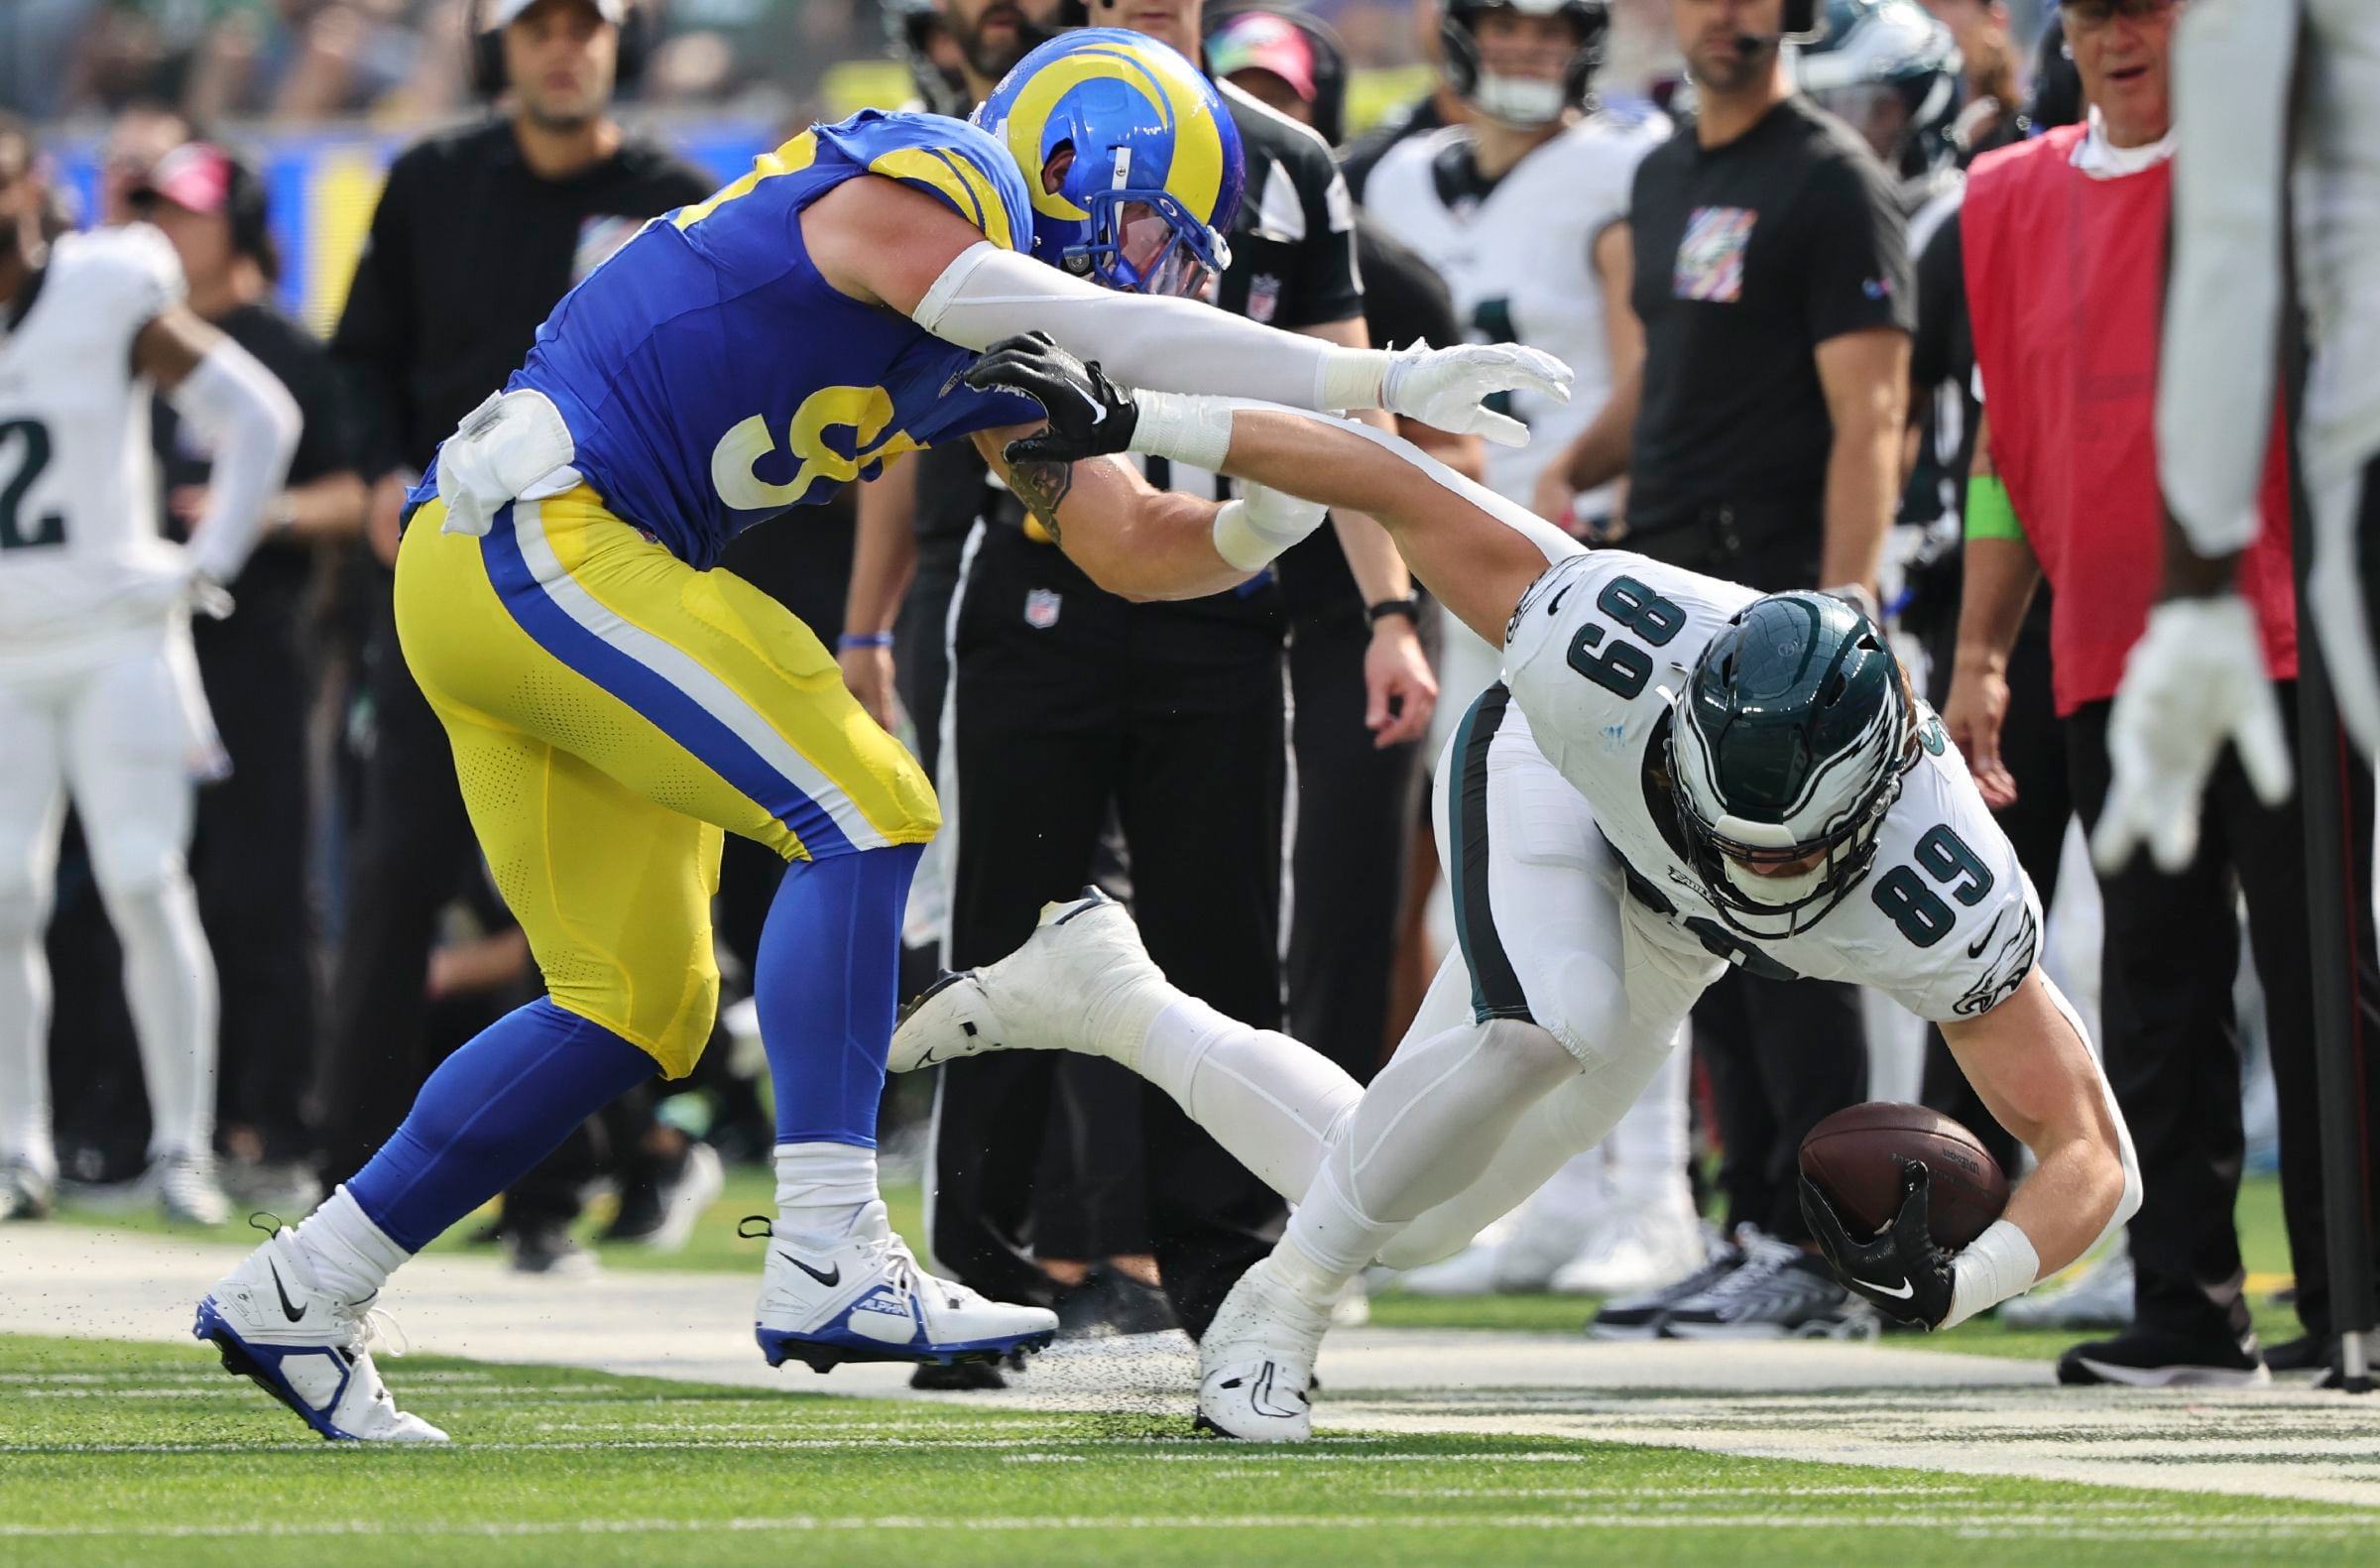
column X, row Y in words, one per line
column 1409, row 607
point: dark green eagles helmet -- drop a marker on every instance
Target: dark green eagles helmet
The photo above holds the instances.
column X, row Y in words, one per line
column 1789, row 742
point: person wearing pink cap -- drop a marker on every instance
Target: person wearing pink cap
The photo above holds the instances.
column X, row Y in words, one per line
column 249, row 867
column 99, row 697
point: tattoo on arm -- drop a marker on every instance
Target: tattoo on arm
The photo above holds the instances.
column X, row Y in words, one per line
column 1041, row 486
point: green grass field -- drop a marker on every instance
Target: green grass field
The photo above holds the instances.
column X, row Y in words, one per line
column 146, row 1454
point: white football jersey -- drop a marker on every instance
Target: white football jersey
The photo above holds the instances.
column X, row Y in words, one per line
column 78, row 487
column 1944, row 922
column 1519, row 259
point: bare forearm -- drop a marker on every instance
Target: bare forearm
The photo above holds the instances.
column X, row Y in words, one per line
column 1863, row 492
column 883, row 551
column 1136, row 542
column 1372, row 557
column 2000, row 575
column 325, row 510
column 2067, row 1200
column 1599, row 454
column 1476, row 554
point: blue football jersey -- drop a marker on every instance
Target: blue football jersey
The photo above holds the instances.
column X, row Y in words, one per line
column 711, row 378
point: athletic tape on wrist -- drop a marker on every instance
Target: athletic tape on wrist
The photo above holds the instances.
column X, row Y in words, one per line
column 1183, row 427
column 1351, row 378
column 1995, row 1266
column 1990, row 511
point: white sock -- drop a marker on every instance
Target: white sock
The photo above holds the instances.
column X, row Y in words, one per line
column 25, row 1037
column 1272, row 1102
column 1423, row 1133
column 352, row 1257
column 824, row 1190
column 1648, row 1147
column 169, row 984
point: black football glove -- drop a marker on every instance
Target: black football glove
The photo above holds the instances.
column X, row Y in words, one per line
column 1088, row 414
column 1903, row 1270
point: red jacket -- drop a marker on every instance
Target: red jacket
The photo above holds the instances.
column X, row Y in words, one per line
column 2065, row 288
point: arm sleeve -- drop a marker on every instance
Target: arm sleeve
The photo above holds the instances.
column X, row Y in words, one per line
column 986, row 294
column 249, row 420
column 2223, row 314
column 1857, row 275
column 376, row 328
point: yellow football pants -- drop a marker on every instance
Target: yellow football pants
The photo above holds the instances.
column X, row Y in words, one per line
column 613, row 711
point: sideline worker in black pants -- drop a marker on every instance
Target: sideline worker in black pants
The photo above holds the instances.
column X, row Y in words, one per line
column 1069, row 704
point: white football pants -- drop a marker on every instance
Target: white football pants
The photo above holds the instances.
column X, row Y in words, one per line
column 1538, row 1034
column 114, row 734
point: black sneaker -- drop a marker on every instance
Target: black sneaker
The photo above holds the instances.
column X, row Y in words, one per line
column 2302, row 1354
column 2147, row 1357
column 1778, row 1292
column 541, row 1247
column 1639, row 1316
column 1132, row 1307
column 972, row 1377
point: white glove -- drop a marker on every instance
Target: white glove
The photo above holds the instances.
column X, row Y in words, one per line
column 2194, row 681
column 1252, row 532
column 1446, row 387
column 179, row 585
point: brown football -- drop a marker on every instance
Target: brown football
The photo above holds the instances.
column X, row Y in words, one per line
column 1854, row 1157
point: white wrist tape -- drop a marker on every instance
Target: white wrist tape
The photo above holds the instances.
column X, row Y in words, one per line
column 1351, row 378
column 1184, row 428
column 1995, row 1266
column 1251, row 532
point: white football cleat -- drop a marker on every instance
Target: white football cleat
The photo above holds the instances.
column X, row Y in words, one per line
column 1082, row 982
column 1633, row 1251
column 278, row 1327
column 187, row 1190
column 866, row 1299
column 26, row 1191
column 1256, row 1364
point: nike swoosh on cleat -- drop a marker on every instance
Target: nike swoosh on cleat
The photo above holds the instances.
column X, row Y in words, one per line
column 289, row 1309
column 1902, row 1294
column 831, row 1279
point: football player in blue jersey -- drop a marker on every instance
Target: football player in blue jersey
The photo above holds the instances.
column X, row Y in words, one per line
column 616, row 704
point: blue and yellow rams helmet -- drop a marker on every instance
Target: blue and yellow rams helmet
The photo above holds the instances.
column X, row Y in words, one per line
column 1156, row 173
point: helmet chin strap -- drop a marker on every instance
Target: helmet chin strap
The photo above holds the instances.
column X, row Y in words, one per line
column 1522, row 102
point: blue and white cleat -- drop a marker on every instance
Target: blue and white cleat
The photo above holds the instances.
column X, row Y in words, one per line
column 304, row 1347
column 867, row 1299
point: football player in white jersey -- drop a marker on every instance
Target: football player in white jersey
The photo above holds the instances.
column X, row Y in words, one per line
column 1676, row 773
column 99, row 696
column 1523, row 211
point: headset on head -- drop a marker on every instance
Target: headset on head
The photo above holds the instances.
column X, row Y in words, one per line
column 487, row 51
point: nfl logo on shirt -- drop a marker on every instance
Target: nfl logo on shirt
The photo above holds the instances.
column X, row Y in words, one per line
column 1042, row 609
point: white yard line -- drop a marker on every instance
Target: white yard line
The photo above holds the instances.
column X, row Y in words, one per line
column 1839, row 1404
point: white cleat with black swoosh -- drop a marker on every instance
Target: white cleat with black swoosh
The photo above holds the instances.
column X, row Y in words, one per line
column 866, row 1298
column 1256, row 1363
column 1082, row 982
column 299, row 1343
